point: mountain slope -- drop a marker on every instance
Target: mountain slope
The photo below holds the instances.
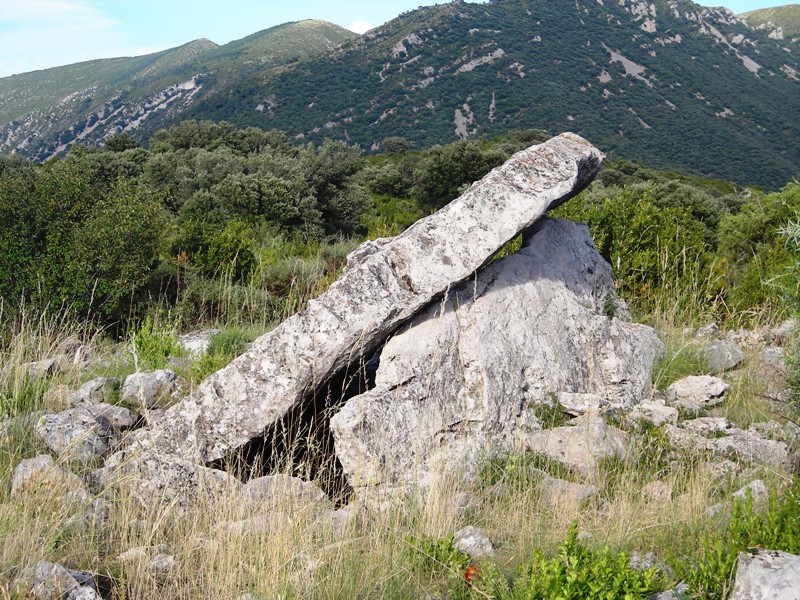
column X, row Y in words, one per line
column 666, row 82
column 44, row 112
column 782, row 22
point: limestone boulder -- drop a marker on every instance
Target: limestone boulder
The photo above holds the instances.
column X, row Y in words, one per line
column 96, row 391
column 723, row 355
column 154, row 389
column 696, row 392
column 467, row 375
column 767, row 575
column 42, row 474
column 474, row 543
column 384, row 284
column 580, row 446
column 77, row 433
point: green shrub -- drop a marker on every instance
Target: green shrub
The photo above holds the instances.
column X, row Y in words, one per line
column 577, row 572
column 711, row 573
column 156, row 341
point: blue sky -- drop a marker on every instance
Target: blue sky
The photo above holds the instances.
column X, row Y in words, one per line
column 37, row 34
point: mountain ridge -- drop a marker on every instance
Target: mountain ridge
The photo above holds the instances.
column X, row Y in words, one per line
column 667, row 82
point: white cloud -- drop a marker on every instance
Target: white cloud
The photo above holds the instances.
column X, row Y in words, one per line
column 38, row 34
column 360, row 26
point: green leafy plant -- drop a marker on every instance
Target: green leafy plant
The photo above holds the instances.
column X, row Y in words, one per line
column 156, row 341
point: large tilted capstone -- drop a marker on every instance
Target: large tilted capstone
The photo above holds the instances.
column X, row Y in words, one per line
column 468, row 375
column 384, row 284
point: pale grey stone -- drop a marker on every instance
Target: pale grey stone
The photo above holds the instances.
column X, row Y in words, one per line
column 737, row 444
column 782, row 333
column 117, row 416
column 279, row 490
column 767, row 575
column 474, row 543
column 46, row 581
column 42, row 474
column 154, row 389
column 696, row 392
column 162, row 564
column 465, row 377
column 196, row 343
column 76, row 433
column 708, row 426
column 384, row 283
column 722, row 355
column 35, row 371
column 756, row 488
column 579, row 403
column 96, row 391
column 709, row 331
column 679, row 592
column 139, row 554
column 656, row 412
column 559, row 493
column 581, row 446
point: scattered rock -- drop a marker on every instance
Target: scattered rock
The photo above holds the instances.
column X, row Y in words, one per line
column 735, row 443
column 139, row 555
column 658, row 491
column 577, row 404
column 118, row 417
column 162, row 564
column 757, row 490
column 474, row 543
column 96, row 391
column 559, row 493
column 281, row 490
column 196, row 343
column 708, row 426
column 722, row 356
column 679, row 592
column 467, row 375
column 35, row 371
column 696, row 392
column 582, row 445
column 41, row 474
column 51, row 581
column 782, row 333
column 656, row 412
column 706, row 332
column 76, row 433
column 384, row 284
column 153, row 390
column 767, row 575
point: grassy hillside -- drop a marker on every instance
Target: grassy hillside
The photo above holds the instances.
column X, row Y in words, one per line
column 787, row 18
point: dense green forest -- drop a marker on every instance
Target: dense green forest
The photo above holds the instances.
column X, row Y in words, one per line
column 212, row 219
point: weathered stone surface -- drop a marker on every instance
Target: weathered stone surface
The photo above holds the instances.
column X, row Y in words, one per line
column 196, row 343
column 562, row 494
column 767, row 575
column 474, row 543
column 582, row 445
column 42, row 474
column 756, row 488
column 117, row 416
column 465, row 377
column 96, row 391
column 384, row 284
column 153, row 390
column 655, row 411
column 735, row 443
column 708, row 426
column 41, row 368
column 162, row 564
column 782, row 333
column 722, row 355
column 679, row 592
column 696, row 392
column 51, row 581
column 280, row 490
column 77, row 433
